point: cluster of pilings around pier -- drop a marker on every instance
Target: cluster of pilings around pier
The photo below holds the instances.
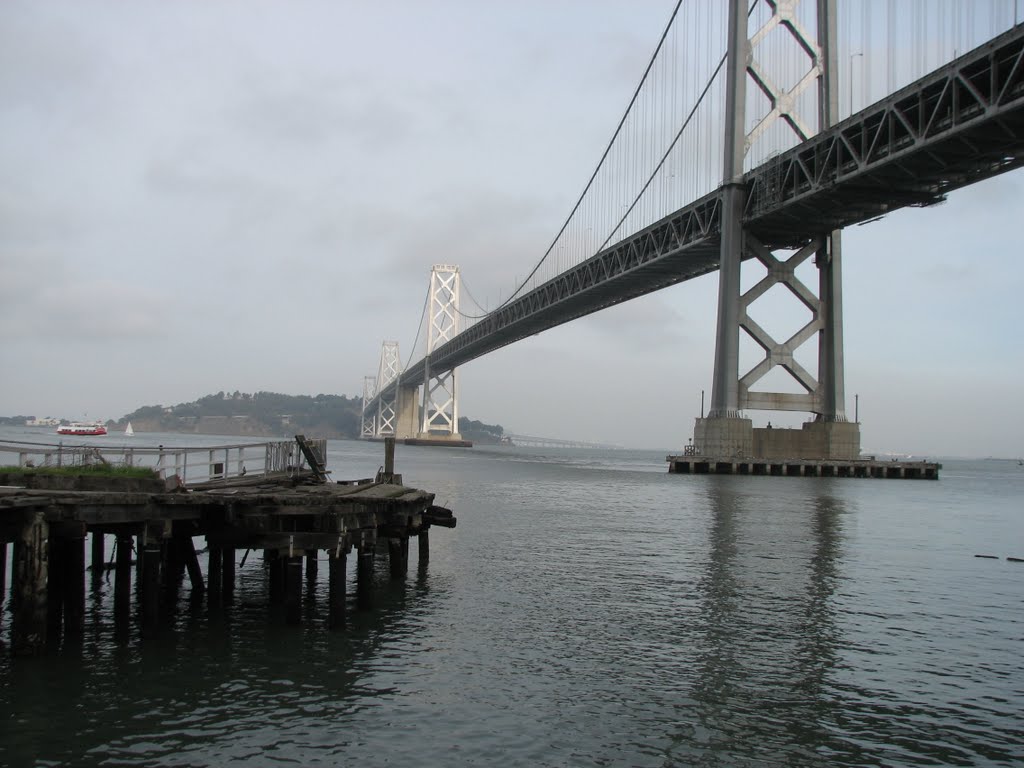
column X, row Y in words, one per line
column 153, row 532
column 691, row 464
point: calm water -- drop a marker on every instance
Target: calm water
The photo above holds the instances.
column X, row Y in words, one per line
column 589, row 609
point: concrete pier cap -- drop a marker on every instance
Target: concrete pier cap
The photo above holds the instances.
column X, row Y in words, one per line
column 737, row 437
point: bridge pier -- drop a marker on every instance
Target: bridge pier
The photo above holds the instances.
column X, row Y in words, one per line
column 407, row 411
column 723, row 436
column 726, row 432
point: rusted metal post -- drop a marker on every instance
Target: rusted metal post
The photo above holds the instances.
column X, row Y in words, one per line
column 31, row 554
column 337, row 565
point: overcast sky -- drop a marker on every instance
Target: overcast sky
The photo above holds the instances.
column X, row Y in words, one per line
column 201, row 196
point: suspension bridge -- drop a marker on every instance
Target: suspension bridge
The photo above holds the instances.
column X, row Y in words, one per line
column 746, row 143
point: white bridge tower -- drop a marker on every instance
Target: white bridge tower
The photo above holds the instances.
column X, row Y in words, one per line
column 387, row 410
column 440, row 393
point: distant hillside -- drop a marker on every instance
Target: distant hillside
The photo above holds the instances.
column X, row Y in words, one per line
column 271, row 414
column 262, row 414
column 478, row 432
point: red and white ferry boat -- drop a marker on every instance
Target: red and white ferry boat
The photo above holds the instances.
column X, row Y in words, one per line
column 82, row 428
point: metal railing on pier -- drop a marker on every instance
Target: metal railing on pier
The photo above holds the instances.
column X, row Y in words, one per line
column 192, row 466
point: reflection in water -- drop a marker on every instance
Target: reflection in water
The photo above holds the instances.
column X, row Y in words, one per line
column 215, row 683
column 592, row 611
column 767, row 634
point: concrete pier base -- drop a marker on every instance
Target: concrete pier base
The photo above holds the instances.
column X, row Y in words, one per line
column 814, row 440
column 691, row 464
column 724, row 436
column 439, row 441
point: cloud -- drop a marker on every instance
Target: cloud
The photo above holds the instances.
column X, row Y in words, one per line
column 64, row 310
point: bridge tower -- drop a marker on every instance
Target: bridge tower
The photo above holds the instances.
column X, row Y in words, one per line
column 395, row 415
column 725, row 431
column 387, row 410
column 440, row 394
column 369, row 417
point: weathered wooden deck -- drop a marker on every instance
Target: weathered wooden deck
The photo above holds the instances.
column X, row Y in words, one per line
column 288, row 516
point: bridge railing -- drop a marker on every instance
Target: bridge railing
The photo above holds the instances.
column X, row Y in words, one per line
column 191, row 465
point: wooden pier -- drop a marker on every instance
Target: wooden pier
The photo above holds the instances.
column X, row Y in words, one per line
column 288, row 517
column 694, row 464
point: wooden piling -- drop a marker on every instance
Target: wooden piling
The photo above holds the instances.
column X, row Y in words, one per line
column 123, row 578
column 228, row 566
column 149, row 594
column 56, row 562
column 188, row 553
column 364, row 576
column 337, row 565
column 311, row 565
column 214, row 571
column 424, row 542
column 398, row 556
column 3, row 573
column 98, row 563
column 74, row 585
column 28, row 631
column 293, row 589
column 275, row 577
column 288, row 523
column 389, row 456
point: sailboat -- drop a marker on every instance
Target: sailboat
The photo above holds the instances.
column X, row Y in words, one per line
column 128, row 431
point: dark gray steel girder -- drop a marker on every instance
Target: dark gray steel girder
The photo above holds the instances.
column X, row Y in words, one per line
column 958, row 125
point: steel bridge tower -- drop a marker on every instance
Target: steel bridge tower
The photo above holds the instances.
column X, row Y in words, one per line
column 387, row 410
column 440, row 411
column 369, row 417
column 726, row 432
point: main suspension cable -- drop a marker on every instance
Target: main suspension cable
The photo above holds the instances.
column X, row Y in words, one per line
column 600, row 162
column 423, row 314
